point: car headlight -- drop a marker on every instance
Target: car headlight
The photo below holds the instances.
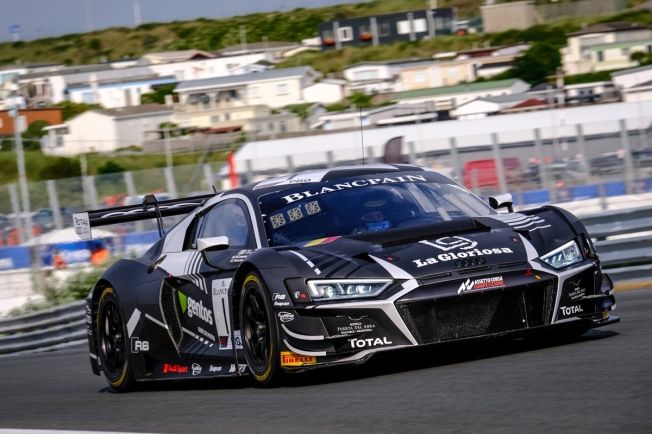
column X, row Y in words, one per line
column 563, row 256
column 346, row 288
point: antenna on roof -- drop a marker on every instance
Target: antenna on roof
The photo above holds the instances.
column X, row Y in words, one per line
column 361, row 133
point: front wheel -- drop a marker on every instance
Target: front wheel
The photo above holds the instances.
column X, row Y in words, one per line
column 113, row 343
column 259, row 331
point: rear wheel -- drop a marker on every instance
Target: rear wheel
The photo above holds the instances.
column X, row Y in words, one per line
column 259, row 331
column 113, row 343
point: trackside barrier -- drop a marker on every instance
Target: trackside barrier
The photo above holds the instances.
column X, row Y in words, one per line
column 626, row 259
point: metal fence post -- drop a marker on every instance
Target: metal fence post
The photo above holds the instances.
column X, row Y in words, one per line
column 91, row 192
column 500, row 167
column 15, row 208
column 289, row 161
column 330, row 159
column 455, row 155
column 543, row 169
column 208, row 176
column 131, row 191
column 629, row 163
column 54, row 203
column 412, row 158
column 585, row 157
column 250, row 171
column 169, row 182
column 370, row 157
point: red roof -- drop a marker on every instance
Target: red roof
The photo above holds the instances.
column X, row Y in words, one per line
column 532, row 102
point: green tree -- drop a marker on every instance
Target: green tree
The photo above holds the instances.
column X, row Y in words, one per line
column 60, row 167
column 110, row 167
column 71, row 109
column 361, row 100
column 157, row 95
column 539, row 62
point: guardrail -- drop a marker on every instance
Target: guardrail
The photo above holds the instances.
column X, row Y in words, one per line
column 624, row 259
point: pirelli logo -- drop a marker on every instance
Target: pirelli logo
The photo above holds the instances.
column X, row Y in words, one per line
column 292, row 359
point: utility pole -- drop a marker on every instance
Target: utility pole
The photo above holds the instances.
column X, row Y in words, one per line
column 243, row 37
column 20, row 161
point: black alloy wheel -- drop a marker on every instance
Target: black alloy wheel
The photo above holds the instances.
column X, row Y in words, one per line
column 113, row 343
column 259, row 331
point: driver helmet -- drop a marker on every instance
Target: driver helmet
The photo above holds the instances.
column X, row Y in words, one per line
column 373, row 216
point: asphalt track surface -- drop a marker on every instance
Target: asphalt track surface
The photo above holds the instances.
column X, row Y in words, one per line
column 601, row 382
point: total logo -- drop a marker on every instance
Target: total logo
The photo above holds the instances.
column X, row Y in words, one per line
column 481, row 284
column 194, row 308
column 196, row 369
column 369, row 343
column 571, row 310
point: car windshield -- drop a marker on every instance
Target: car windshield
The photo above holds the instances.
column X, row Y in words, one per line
column 364, row 204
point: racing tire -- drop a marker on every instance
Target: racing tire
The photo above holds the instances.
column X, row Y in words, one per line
column 259, row 329
column 113, row 343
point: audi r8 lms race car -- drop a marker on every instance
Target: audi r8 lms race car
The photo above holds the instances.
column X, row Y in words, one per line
column 330, row 267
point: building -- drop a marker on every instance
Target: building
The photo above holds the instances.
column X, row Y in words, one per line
column 52, row 116
column 605, row 47
column 273, row 88
column 105, row 130
column 451, row 97
column 276, row 50
column 634, row 84
column 378, row 77
column 325, row 91
column 114, row 93
column 387, row 28
column 507, row 16
column 379, row 116
column 487, row 106
column 175, row 56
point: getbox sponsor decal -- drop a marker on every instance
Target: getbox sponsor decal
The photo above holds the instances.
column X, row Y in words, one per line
column 194, row 308
column 481, row 284
column 291, row 359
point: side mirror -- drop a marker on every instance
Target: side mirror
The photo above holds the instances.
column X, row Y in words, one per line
column 502, row 201
column 214, row 243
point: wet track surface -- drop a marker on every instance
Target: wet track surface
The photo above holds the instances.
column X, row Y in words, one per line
column 601, row 382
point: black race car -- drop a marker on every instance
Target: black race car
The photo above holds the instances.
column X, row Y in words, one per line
column 330, row 267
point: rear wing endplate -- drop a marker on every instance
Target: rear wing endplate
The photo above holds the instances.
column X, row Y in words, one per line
column 150, row 208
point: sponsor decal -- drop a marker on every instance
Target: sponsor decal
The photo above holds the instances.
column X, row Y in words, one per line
column 352, row 184
column 225, row 341
column 206, row 334
column 481, row 284
column 299, row 295
column 446, row 257
column 571, row 310
column 577, row 290
column 286, row 316
column 291, row 359
column 173, row 368
column 137, row 345
column 194, row 308
column 356, row 326
column 451, row 243
column 320, row 241
column 196, row 369
column 240, row 367
column 213, row 368
column 240, row 256
column 279, row 300
column 369, row 343
column 220, row 286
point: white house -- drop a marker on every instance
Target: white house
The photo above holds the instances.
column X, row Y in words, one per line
column 482, row 107
column 604, row 47
column 377, row 77
column 634, row 84
column 451, row 97
column 116, row 93
column 273, row 88
column 395, row 114
column 326, row 91
column 105, row 130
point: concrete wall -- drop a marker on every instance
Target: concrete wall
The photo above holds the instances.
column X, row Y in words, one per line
column 506, row 16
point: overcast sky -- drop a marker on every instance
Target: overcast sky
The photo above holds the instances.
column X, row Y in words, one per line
column 41, row 18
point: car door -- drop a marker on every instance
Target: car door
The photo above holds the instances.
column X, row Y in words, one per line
column 203, row 289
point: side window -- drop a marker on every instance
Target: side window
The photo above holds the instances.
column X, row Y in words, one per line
column 231, row 219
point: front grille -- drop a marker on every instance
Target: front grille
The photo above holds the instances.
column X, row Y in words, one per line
column 470, row 315
column 170, row 311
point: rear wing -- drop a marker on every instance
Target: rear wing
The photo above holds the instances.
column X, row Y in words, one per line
column 150, row 208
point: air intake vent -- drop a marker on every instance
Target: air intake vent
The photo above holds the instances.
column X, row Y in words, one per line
column 170, row 311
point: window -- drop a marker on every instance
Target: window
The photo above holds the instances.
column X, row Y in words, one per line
column 228, row 218
column 384, row 29
column 403, row 27
column 227, row 116
column 282, row 89
column 600, row 56
column 420, row 25
column 624, row 51
column 215, row 119
column 364, row 29
column 345, row 34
